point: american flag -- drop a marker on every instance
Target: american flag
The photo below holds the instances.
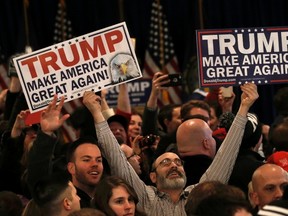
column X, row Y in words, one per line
column 62, row 32
column 4, row 79
column 160, row 54
column 63, row 27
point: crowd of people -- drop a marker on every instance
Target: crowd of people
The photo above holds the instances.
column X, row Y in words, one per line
column 197, row 158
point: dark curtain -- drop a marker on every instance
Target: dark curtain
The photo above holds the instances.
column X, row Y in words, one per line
column 183, row 16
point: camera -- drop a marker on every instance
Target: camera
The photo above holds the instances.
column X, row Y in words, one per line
column 175, row 80
column 11, row 67
column 147, row 141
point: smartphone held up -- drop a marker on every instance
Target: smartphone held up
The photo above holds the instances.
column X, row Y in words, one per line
column 175, row 80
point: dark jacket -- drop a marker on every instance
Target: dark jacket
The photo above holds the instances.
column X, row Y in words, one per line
column 85, row 201
column 195, row 166
column 47, row 156
column 246, row 163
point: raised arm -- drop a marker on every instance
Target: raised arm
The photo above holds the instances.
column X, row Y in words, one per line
column 123, row 100
column 110, row 147
column 106, row 110
column 150, row 113
column 12, row 95
column 19, row 124
column 42, row 151
column 224, row 161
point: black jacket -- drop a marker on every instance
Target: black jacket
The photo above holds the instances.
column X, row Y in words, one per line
column 246, row 163
column 195, row 166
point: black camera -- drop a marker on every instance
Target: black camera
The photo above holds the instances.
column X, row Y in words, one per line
column 11, row 67
column 175, row 80
column 147, row 141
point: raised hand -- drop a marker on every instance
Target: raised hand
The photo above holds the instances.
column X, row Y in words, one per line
column 158, row 80
column 93, row 103
column 19, row 123
column 135, row 144
column 51, row 117
column 248, row 97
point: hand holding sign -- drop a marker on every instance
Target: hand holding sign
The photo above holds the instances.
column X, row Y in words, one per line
column 248, row 97
column 93, row 104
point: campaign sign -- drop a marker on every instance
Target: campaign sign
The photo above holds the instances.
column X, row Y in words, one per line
column 138, row 90
column 235, row 56
column 91, row 62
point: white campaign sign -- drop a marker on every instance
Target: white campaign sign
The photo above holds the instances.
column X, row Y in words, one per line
column 94, row 61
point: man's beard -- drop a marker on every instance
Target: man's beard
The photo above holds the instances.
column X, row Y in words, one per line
column 172, row 184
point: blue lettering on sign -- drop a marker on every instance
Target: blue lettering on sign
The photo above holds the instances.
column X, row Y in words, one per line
column 138, row 90
column 234, row 56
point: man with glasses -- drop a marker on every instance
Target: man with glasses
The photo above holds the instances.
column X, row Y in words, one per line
column 169, row 196
column 168, row 173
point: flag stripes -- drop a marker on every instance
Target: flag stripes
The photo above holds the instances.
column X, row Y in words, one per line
column 4, row 79
column 160, row 55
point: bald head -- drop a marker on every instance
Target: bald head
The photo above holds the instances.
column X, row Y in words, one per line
column 267, row 172
column 268, row 182
column 192, row 135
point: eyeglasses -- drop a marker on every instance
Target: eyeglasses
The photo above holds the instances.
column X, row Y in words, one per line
column 167, row 162
column 134, row 154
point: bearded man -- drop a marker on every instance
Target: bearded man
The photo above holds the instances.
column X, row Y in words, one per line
column 169, row 196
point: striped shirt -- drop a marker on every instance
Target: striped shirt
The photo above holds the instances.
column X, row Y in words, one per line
column 155, row 202
column 271, row 210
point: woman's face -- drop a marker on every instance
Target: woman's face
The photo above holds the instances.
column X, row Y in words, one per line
column 121, row 202
column 135, row 125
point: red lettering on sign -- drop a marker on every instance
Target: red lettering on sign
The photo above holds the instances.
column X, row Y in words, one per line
column 30, row 63
column 75, row 55
column 87, row 49
column 48, row 59
column 113, row 38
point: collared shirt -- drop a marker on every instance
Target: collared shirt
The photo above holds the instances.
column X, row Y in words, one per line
column 158, row 203
column 85, row 199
